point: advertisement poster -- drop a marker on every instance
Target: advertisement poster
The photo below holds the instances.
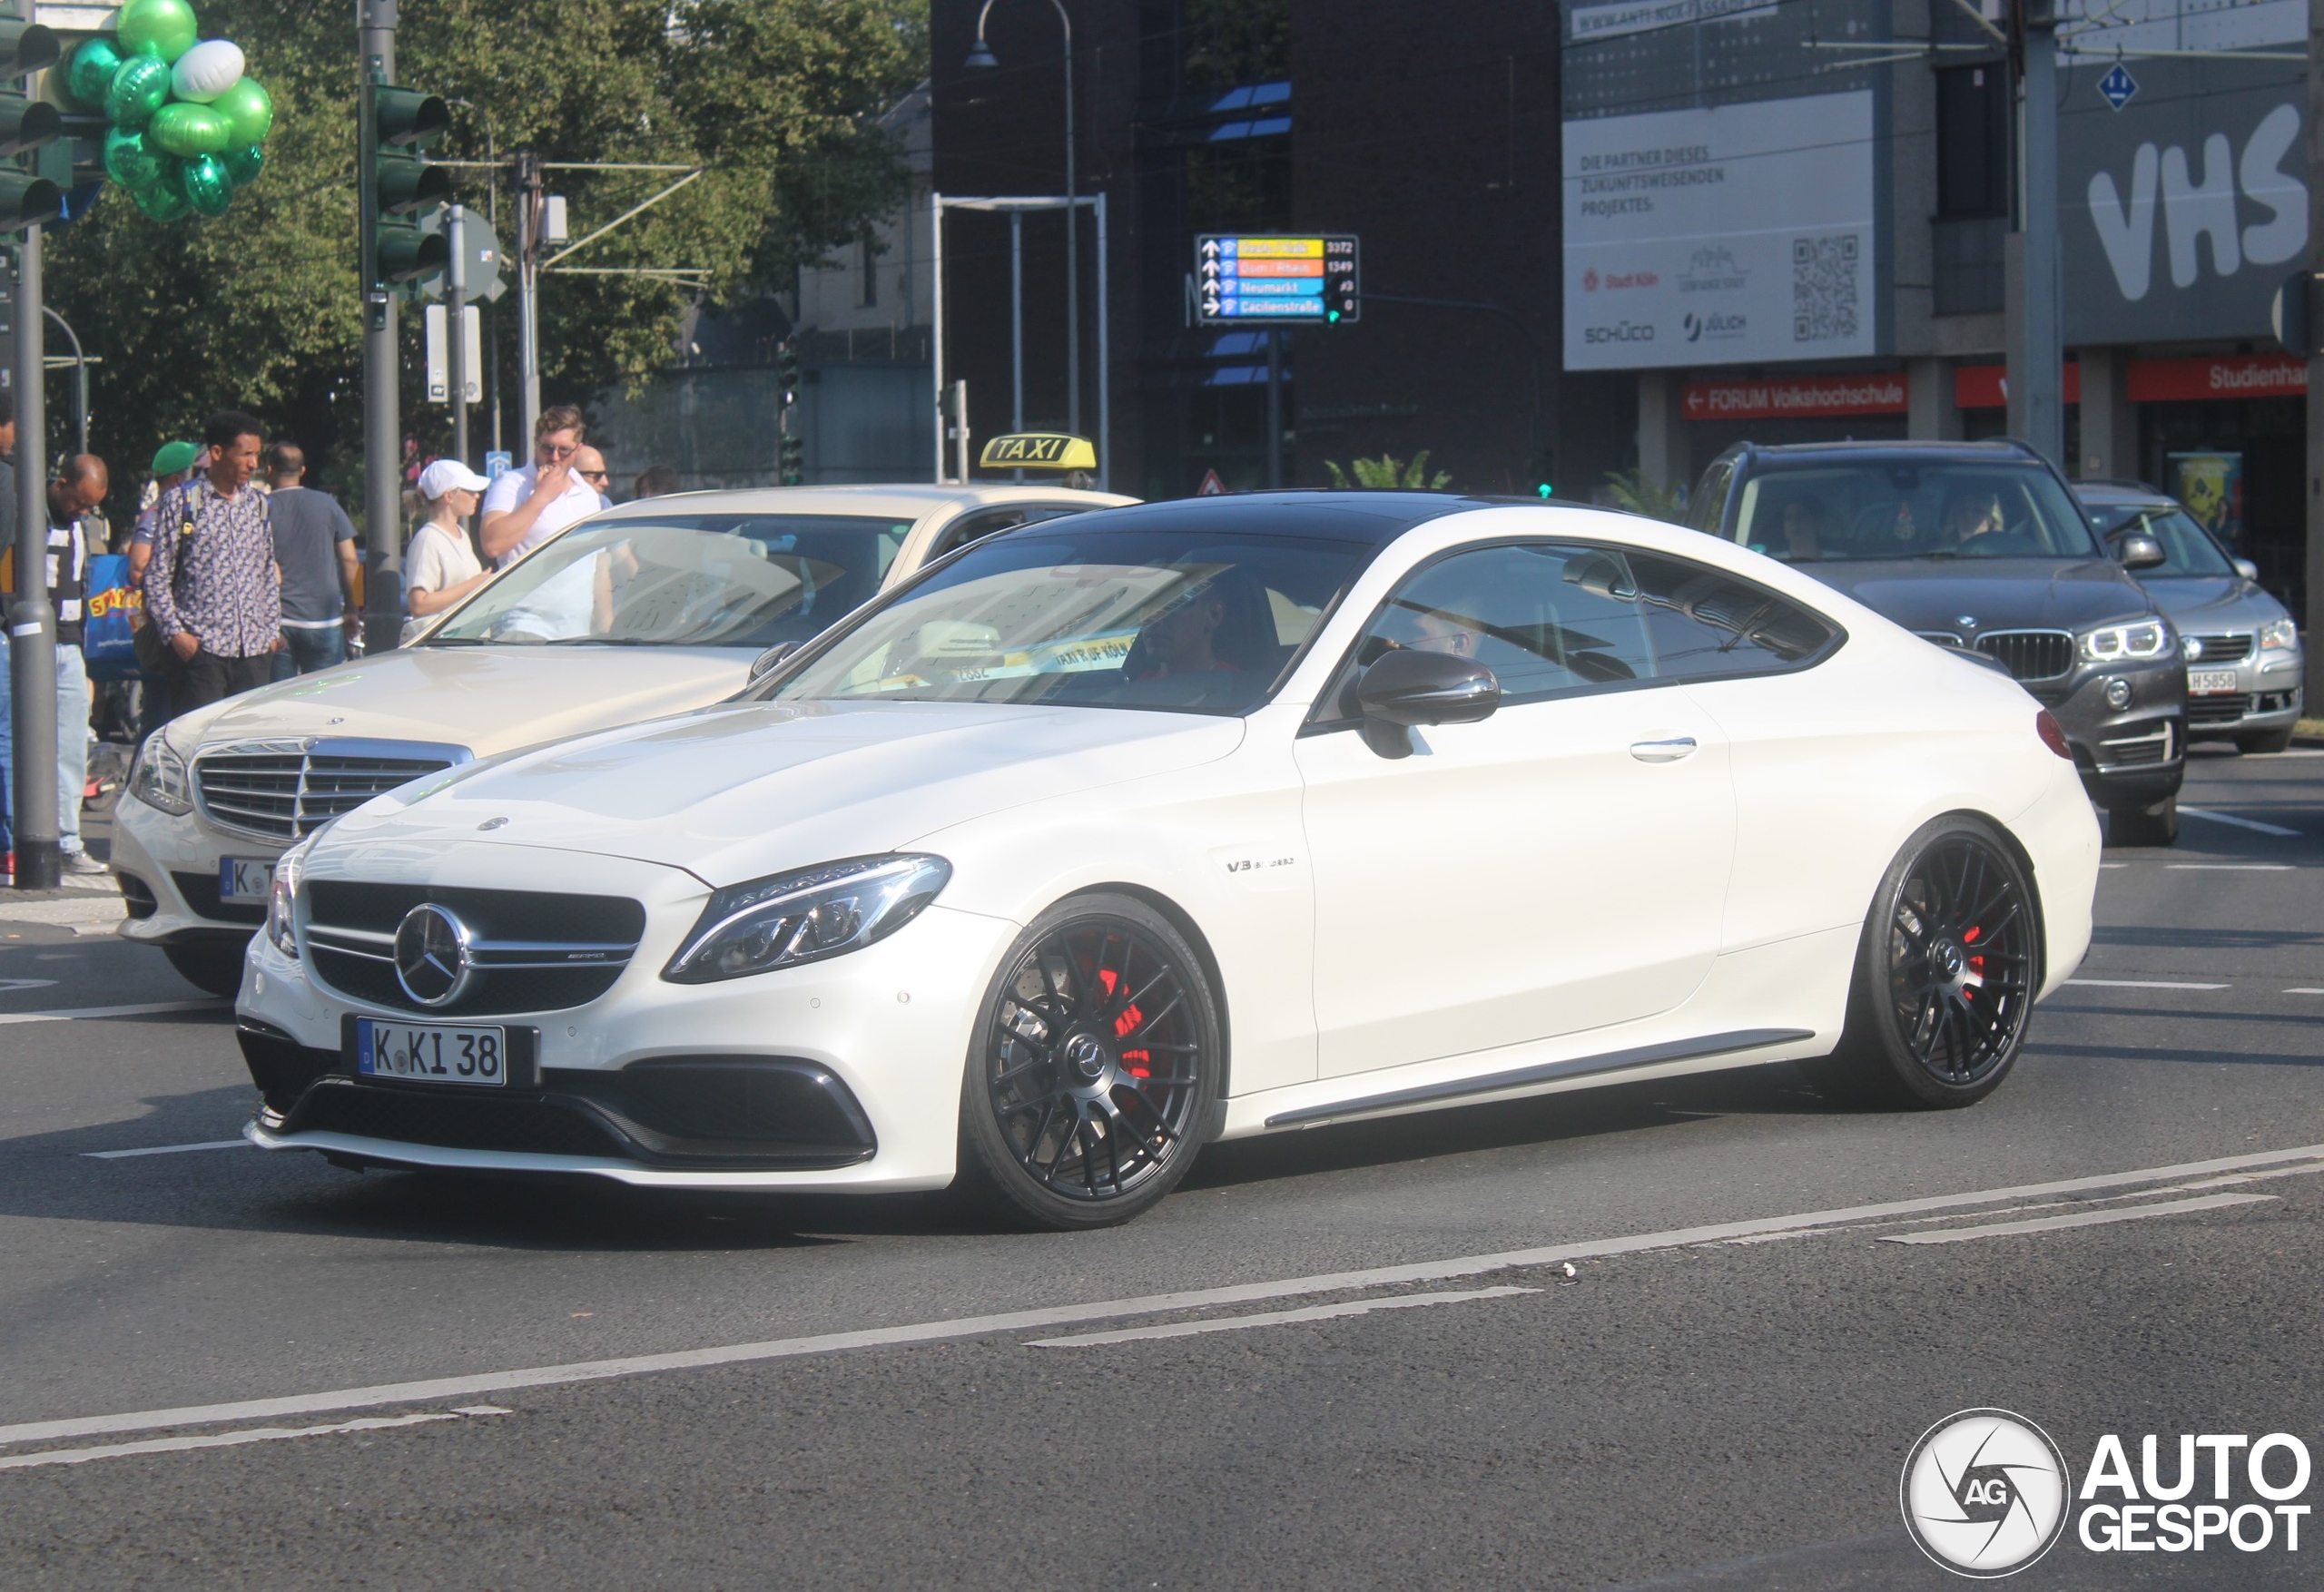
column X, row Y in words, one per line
column 2212, row 487
column 1726, row 234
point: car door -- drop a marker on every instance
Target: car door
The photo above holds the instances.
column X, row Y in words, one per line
column 1559, row 866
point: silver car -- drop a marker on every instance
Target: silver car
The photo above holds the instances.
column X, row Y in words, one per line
column 2242, row 649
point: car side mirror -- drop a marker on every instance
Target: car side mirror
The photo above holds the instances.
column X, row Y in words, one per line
column 2247, row 569
column 764, row 665
column 2138, row 552
column 1407, row 687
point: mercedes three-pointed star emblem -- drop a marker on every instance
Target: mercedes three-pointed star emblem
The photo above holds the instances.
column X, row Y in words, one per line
column 432, row 960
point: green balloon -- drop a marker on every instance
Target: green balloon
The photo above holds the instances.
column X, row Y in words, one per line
column 207, row 186
column 164, row 201
column 140, row 86
column 249, row 113
column 184, row 128
column 161, row 29
column 89, row 72
column 131, row 162
column 244, row 165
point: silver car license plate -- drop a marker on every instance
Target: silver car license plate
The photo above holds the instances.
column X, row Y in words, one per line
column 245, row 880
column 2211, row 682
column 430, row 1053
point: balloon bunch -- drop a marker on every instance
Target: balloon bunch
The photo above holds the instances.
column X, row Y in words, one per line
column 188, row 128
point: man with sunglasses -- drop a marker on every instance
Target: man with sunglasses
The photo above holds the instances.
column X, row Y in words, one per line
column 526, row 506
column 590, row 466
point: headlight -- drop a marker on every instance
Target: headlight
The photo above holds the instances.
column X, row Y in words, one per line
column 2279, row 636
column 158, row 776
column 804, row 917
column 2110, row 643
column 281, row 927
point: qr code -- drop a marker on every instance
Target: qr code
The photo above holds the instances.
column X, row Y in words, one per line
column 1824, row 288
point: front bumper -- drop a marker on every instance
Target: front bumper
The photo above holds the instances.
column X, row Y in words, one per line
column 2134, row 755
column 168, row 866
column 2267, row 697
column 841, row 1075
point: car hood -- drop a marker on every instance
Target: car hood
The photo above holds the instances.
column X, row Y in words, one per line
column 739, row 792
column 1998, row 593
column 2203, row 604
column 486, row 699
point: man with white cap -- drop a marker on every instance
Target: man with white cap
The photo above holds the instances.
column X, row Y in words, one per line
column 440, row 567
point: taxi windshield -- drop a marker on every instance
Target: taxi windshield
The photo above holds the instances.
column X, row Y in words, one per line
column 1126, row 619
column 709, row 580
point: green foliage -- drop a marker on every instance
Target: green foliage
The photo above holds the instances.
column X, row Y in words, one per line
column 259, row 309
column 1226, row 44
column 1632, row 491
column 1386, row 474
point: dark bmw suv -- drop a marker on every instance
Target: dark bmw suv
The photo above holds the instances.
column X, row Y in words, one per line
column 1981, row 547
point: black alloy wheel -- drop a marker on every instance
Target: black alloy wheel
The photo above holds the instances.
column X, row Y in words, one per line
column 2143, row 826
column 1093, row 1068
column 1945, row 975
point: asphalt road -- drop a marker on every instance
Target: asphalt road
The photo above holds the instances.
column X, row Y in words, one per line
column 1720, row 1394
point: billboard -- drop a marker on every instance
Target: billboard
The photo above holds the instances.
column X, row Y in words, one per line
column 1739, row 233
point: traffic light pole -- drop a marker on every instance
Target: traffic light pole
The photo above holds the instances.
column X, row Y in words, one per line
column 382, row 422
column 32, row 621
column 455, row 328
column 528, row 324
column 2036, row 359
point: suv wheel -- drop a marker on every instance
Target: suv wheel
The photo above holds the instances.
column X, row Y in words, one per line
column 2143, row 826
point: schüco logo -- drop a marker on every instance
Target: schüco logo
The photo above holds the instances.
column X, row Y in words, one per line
column 1621, row 331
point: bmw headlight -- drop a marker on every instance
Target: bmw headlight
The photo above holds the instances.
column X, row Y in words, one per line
column 158, row 776
column 2115, row 643
column 804, row 917
column 2279, row 636
column 282, row 899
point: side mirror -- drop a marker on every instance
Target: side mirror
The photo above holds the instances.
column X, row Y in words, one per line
column 1406, row 687
column 2247, row 569
column 2139, row 552
column 766, row 661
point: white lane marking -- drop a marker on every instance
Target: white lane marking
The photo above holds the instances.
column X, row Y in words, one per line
column 2253, row 824
column 2141, row 984
column 435, row 1388
column 2230, row 867
column 10, row 985
column 2086, row 1219
column 1276, row 1318
column 166, row 1149
column 233, row 1439
column 146, row 1008
column 2304, row 991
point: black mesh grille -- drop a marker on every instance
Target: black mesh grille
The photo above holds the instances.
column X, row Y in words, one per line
column 728, row 1107
column 2217, row 710
column 201, row 893
column 2221, row 649
column 2137, row 754
column 535, row 916
column 469, row 1122
column 2030, row 654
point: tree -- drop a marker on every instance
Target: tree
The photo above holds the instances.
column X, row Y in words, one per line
column 1386, row 474
column 259, row 309
column 1634, row 493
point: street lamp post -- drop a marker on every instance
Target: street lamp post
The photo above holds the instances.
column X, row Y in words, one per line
column 980, row 57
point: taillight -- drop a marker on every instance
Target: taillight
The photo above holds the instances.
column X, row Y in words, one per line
column 2046, row 726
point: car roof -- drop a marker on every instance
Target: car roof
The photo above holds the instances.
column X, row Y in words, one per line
column 2001, row 450
column 1376, row 518
column 2113, row 493
column 903, row 500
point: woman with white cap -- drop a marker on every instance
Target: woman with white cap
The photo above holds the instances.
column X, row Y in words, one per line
column 441, row 565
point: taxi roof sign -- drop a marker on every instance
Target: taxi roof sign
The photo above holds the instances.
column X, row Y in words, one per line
column 1039, row 450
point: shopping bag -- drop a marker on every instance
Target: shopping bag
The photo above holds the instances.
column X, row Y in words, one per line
column 110, row 611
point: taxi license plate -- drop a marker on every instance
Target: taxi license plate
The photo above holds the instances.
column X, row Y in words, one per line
column 430, row 1053
column 2211, row 682
column 245, row 880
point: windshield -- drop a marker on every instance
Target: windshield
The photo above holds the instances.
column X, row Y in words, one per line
column 1180, row 621
column 1898, row 508
column 709, row 580
column 2187, row 548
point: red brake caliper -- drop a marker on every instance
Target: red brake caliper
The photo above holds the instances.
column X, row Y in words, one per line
column 1139, row 1064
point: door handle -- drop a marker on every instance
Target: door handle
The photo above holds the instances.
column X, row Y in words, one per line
column 1669, row 750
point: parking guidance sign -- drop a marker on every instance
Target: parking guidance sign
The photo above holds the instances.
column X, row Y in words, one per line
column 1310, row 280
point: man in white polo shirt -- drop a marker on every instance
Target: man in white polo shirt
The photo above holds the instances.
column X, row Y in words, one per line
column 527, row 506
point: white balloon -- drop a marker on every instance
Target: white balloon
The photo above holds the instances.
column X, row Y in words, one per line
column 207, row 71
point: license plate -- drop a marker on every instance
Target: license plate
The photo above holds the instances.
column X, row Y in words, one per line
column 430, row 1053
column 247, row 880
column 2211, row 682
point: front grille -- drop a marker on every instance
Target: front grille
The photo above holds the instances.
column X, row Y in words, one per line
column 284, row 790
column 2030, row 654
column 201, row 893
column 2136, row 750
column 2221, row 649
column 536, row 950
column 469, row 1122
column 2217, row 710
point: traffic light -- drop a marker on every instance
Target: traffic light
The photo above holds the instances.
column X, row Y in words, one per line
column 793, row 460
column 787, row 371
column 26, row 198
column 1545, row 474
column 405, row 183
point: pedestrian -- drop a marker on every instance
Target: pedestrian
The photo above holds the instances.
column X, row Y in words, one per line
column 7, row 475
column 213, row 589
column 81, row 485
column 173, row 464
column 439, row 567
column 590, row 466
column 654, row 481
column 314, row 542
column 527, row 506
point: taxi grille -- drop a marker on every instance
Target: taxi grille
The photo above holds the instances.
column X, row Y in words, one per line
column 287, row 789
column 2030, row 654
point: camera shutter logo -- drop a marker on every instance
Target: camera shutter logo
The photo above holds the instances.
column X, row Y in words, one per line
column 1984, row 1493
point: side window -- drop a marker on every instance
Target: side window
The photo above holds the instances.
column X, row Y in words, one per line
column 1706, row 624
column 1710, row 497
column 979, row 524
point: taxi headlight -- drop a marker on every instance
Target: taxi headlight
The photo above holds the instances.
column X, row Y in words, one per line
column 2279, row 636
column 2114, row 644
column 158, row 778
column 282, row 899
column 788, row 919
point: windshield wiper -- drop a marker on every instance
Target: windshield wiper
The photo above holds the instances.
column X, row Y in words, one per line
column 456, row 641
column 601, row 641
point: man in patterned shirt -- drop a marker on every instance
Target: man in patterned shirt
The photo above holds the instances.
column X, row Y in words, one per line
column 212, row 589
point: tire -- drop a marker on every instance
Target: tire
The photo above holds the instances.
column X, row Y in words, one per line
column 1095, row 1059
column 2265, row 743
column 1944, row 976
column 215, row 967
column 2143, row 826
